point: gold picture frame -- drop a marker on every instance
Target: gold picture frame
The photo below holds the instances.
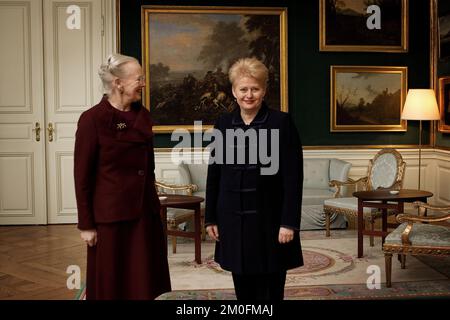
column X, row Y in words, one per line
column 444, row 104
column 367, row 98
column 186, row 53
column 438, row 75
column 343, row 27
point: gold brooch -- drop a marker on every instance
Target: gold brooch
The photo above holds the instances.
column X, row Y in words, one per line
column 121, row 126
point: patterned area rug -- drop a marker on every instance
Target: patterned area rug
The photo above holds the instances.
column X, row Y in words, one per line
column 331, row 271
column 401, row 290
column 317, row 260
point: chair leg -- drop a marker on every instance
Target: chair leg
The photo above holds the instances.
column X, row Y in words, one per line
column 403, row 261
column 174, row 244
column 327, row 223
column 388, row 266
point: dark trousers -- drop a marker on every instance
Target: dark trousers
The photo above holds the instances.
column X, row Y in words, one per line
column 260, row 286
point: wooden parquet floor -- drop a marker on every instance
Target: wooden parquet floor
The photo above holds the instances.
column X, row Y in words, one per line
column 34, row 260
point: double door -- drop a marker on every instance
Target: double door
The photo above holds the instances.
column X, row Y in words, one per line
column 49, row 56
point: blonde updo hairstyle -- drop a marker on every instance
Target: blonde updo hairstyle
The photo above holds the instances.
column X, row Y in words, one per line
column 113, row 68
column 249, row 67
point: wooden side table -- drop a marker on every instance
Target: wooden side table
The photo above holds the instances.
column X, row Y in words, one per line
column 379, row 199
column 184, row 202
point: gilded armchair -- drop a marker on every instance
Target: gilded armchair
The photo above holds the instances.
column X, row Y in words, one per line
column 415, row 238
column 385, row 171
column 175, row 217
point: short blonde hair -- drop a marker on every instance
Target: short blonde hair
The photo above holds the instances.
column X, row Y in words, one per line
column 249, row 67
column 112, row 68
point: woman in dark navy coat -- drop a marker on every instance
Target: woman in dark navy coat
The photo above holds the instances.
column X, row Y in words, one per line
column 253, row 207
column 118, row 207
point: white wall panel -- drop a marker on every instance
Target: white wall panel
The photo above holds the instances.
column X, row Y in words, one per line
column 16, row 185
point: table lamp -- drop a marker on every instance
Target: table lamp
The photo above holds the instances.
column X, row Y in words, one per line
column 420, row 105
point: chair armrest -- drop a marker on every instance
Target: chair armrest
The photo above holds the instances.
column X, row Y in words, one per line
column 411, row 219
column 422, row 206
column 350, row 182
column 190, row 188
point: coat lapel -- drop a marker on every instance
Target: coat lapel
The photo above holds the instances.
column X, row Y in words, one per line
column 260, row 118
column 141, row 130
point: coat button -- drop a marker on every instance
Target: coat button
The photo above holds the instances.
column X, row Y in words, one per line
column 141, row 172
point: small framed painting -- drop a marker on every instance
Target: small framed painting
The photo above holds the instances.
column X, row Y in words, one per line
column 367, row 98
column 363, row 25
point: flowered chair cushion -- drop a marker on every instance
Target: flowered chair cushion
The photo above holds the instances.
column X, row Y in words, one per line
column 422, row 235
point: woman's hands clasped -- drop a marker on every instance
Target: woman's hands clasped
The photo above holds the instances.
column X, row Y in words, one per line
column 285, row 235
column 89, row 236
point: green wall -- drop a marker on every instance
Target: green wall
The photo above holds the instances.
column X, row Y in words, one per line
column 309, row 69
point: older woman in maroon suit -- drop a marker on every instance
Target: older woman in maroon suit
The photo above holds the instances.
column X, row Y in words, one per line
column 118, row 207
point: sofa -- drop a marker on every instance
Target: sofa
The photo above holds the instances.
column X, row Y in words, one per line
column 317, row 175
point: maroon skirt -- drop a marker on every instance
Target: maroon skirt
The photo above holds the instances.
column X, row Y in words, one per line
column 129, row 261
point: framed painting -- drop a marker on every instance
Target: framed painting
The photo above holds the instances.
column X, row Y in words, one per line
column 439, row 54
column 444, row 31
column 367, row 98
column 363, row 25
column 444, row 104
column 187, row 52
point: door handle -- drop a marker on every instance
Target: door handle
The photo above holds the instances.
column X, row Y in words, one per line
column 50, row 130
column 37, row 131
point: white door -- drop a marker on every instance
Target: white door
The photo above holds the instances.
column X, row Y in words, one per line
column 22, row 146
column 72, row 57
column 36, row 165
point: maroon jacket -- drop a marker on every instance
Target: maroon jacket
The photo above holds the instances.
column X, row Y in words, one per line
column 114, row 167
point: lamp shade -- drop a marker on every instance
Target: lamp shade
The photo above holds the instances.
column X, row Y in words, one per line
column 421, row 104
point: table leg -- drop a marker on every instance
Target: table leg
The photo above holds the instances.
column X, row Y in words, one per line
column 198, row 233
column 384, row 216
column 360, row 228
column 401, row 208
column 425, row 212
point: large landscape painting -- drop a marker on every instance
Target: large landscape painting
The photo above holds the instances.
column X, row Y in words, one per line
column 187, row 54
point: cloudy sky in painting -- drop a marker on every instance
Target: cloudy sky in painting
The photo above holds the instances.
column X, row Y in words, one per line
column 175, row 38
column 368, row 85
column 355, row 5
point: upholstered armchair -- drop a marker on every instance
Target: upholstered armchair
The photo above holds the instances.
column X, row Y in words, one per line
column 412, row 237
column 385, row 171
column 175, row 217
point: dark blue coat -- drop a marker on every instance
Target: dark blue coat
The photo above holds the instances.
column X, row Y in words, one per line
column 249, row 207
